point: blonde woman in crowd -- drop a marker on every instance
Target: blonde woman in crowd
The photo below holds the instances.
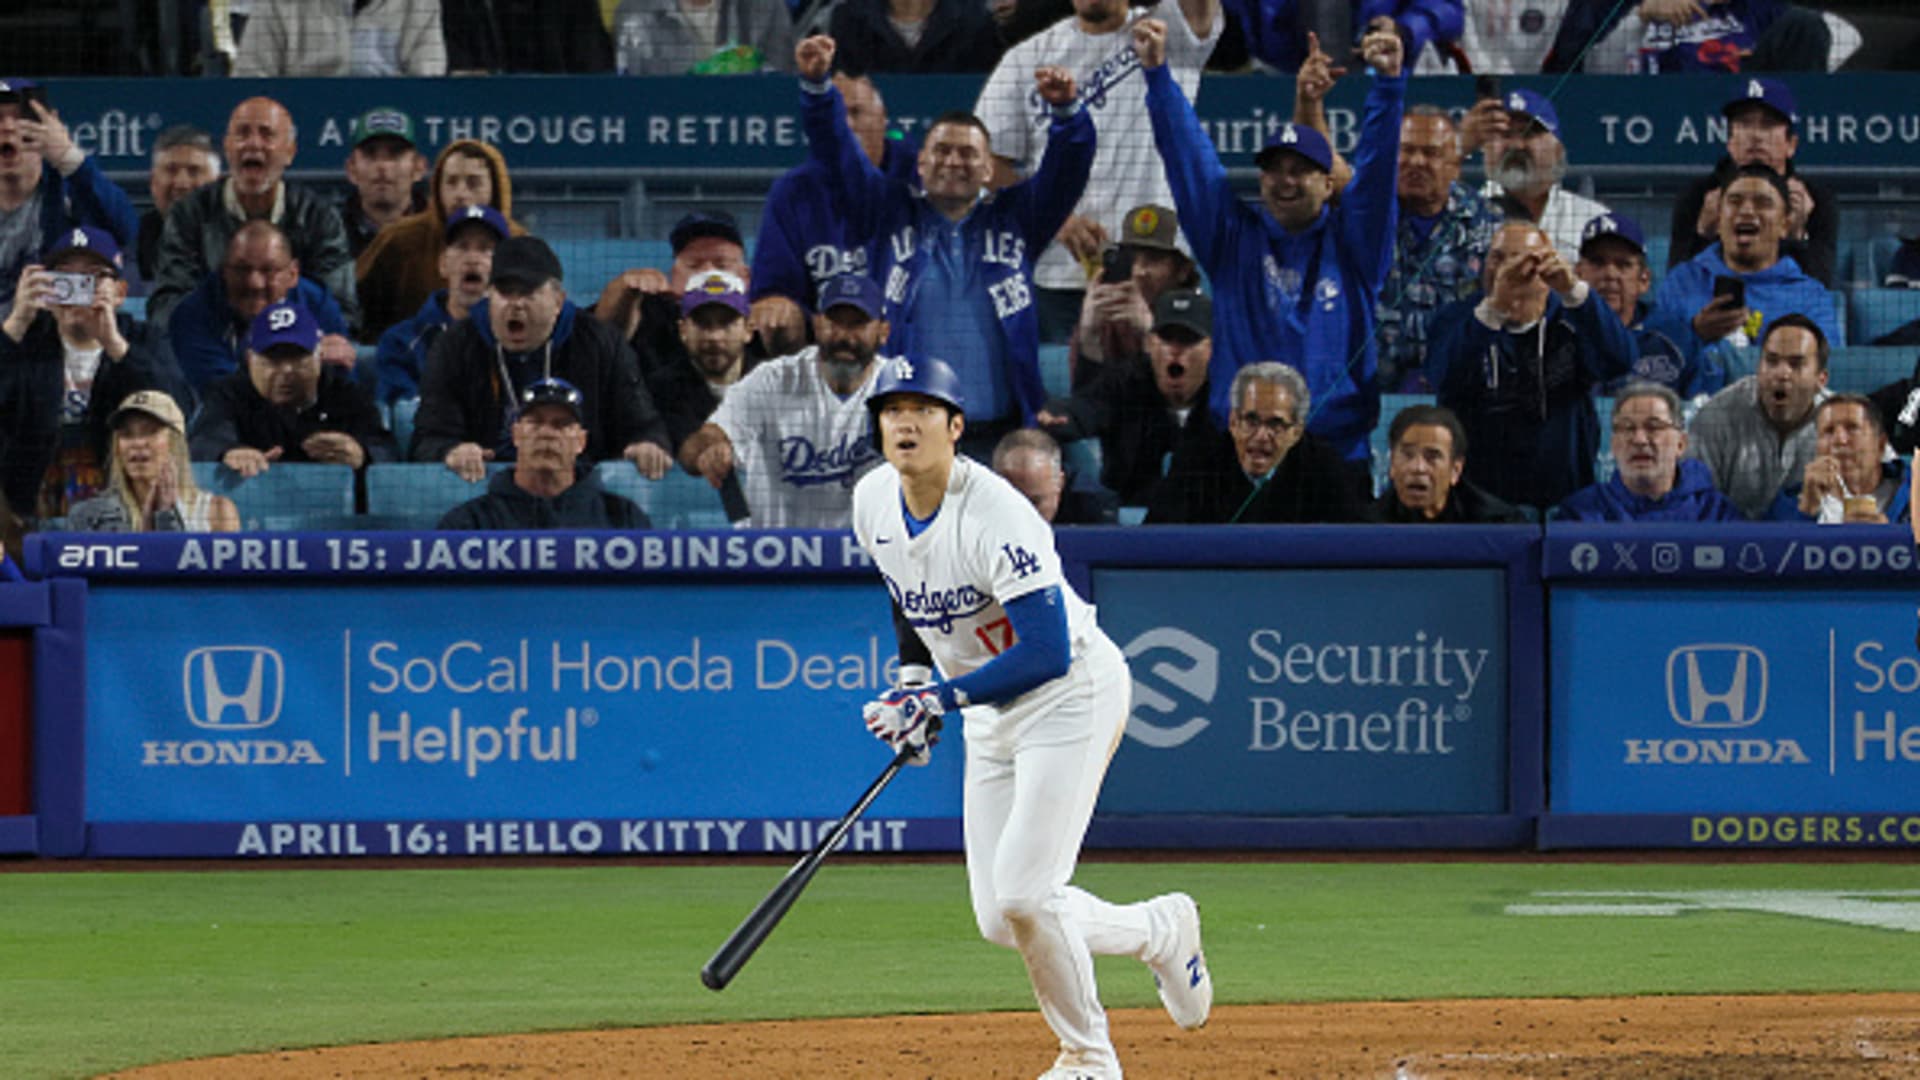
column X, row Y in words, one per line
column 150, row 484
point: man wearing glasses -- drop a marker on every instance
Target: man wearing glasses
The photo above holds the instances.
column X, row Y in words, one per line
column 1654, row 481
column 1266, row 469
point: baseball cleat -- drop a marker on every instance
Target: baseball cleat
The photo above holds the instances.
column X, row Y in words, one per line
column 1186, row 989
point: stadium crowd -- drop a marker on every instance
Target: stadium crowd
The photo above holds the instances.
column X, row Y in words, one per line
column 1134, row 338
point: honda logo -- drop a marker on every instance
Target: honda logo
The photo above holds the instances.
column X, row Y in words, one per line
column 1717, row 686
column 234, row 687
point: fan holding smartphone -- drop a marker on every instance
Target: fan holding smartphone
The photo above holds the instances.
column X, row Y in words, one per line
column 1732, row 290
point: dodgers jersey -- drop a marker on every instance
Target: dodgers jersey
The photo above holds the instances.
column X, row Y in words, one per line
column 986, row 545
column 1127, row 171
column 798, row 447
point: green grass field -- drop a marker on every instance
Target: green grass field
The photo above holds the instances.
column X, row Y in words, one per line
column 109, row 970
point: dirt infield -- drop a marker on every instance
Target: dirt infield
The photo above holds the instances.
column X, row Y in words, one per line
column 1841, row 1036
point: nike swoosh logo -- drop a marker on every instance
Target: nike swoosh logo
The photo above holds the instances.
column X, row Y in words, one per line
column 878, row 540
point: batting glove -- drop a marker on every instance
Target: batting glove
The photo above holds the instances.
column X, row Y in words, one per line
column 906, row 718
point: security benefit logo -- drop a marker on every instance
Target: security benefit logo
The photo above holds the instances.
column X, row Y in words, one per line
column 1407, row 696
column 233, row 695
column 1717, row 696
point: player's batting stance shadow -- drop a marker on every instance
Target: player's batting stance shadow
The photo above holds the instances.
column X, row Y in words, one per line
column 739, row 947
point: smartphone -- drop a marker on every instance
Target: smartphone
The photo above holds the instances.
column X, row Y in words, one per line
column 1730, row 286
column 1486, row 86
column 1116, row 265
column 70, row 290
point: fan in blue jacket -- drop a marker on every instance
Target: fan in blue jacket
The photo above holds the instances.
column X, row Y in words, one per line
column 956, row 268
column 806, row 235
column 209, row 329
column 465, row 263
column 1295, row 279
column 44, row 163
column 1711, row 327
column 1852, row 477
column 1654, row 480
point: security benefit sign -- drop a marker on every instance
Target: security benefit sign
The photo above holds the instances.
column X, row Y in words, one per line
column 339, row 703
column 1304, row 692
column 1733, row 700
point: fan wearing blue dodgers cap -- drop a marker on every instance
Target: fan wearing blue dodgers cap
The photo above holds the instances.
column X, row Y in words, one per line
column 794, row 431
column 1762, row 129
column 1526, row 160
column 547, row 488
column 466, row 264
column 1613, row 261
column 67, row 365
column 1295, row 279
column 39, row 159
column 957, row 266
column 208, row 329
column 287, row 406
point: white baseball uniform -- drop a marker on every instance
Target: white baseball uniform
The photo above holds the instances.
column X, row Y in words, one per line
column 1035, row 762
column 798, row 447
column 1127, row 171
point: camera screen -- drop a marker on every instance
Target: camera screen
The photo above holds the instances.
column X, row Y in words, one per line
column 74, row 290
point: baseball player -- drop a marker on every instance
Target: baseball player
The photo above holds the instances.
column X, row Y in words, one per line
column 978, row 593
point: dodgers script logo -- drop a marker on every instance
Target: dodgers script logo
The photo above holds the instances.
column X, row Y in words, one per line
column 803, row 464
column 234, row 687
column 937, row 609
column 1722, row 686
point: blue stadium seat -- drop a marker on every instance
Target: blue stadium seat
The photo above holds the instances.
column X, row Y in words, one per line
column 1881, row 311
column 400, row 421
column 1083, row 459
column 290, row 497
column 1055, row 371
column 590, row 264
column 1862, row 369
column 1133, row 515
column 1658, row 245
column 416, row 495
column 678, row 500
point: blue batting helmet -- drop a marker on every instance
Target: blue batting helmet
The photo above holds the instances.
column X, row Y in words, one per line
column 904, row 375
column 930, row 377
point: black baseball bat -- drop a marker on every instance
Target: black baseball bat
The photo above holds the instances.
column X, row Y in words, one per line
column 733, row 953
